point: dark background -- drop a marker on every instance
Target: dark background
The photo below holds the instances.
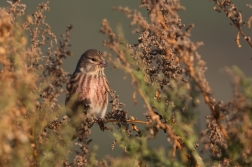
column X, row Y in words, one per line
column 212, row 28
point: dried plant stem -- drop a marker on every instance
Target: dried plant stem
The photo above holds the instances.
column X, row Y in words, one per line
column 129, row 121
column 237, row 25
column 154, row 116
column 163, row 126
column 206, row 94
column 33, row 145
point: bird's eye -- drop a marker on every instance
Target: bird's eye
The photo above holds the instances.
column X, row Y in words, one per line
column 93, row 59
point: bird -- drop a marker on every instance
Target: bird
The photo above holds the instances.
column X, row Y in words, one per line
column 88, row 88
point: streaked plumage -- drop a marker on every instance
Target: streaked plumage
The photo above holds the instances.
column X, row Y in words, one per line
column 88, row 87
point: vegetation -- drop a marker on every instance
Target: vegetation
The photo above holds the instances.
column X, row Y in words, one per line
column 166, row 70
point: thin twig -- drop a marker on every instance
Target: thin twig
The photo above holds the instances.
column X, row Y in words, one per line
column 237, row 25
column 129, row 121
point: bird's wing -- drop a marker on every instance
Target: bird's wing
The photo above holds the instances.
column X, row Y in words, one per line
column 72, row 86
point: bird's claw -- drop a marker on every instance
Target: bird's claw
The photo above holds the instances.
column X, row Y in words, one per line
column 100, row 122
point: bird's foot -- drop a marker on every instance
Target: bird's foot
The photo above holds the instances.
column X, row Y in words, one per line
column 101, row 123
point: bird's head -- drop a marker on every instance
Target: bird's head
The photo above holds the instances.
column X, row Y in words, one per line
column 92, row 61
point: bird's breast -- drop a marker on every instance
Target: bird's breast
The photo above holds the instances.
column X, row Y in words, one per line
column 93, row 88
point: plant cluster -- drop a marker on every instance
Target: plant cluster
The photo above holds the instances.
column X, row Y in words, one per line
column 166, row 71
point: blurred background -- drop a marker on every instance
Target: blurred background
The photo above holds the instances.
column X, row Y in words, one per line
column 211, row 27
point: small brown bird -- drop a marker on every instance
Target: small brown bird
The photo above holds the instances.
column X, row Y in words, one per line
column 88, row 87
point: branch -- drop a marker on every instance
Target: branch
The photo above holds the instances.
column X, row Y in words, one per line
column 129, row 121
column 236, row 20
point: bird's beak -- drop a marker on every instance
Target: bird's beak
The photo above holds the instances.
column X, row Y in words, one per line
column 103, row 63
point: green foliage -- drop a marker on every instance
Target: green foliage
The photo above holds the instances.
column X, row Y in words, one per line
column 166, row 72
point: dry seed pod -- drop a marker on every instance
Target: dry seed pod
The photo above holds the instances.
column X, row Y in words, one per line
column 113, row 145
column 237, row 40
